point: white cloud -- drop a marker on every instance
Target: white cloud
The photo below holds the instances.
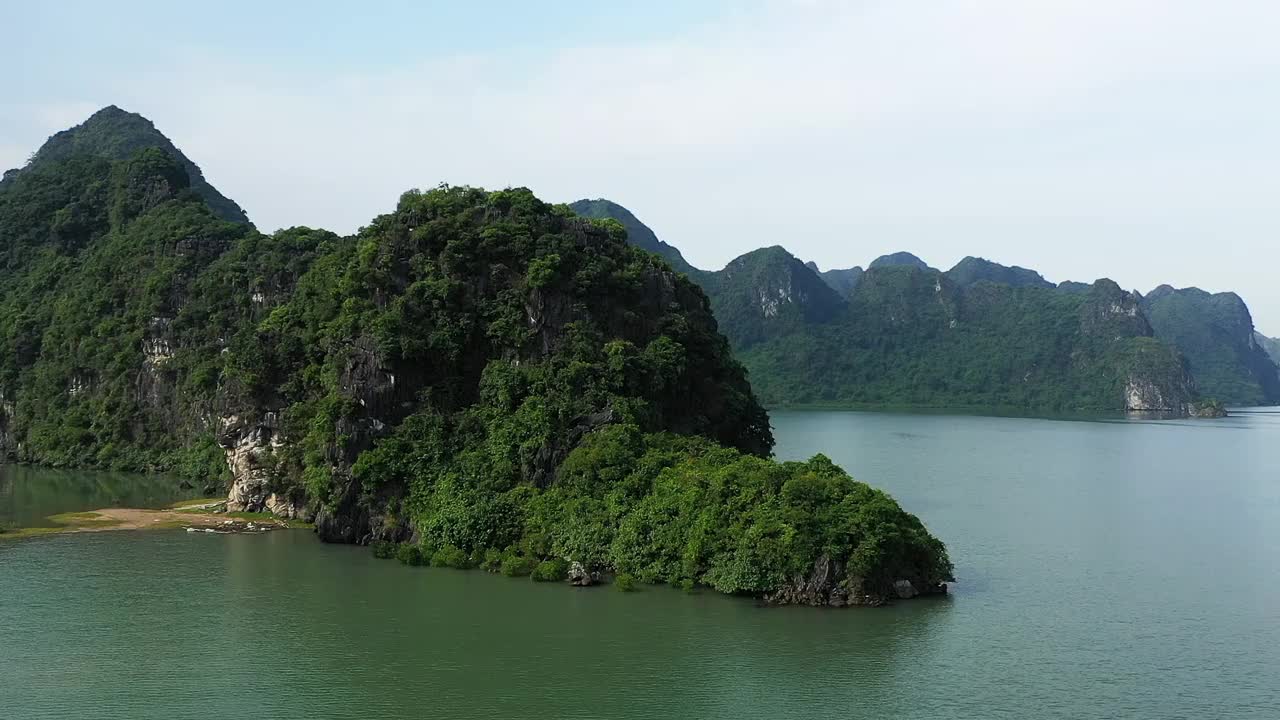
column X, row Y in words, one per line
column 1082, row 138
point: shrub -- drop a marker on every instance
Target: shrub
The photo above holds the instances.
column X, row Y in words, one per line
column 450, row 556
column 410, row 554
column 686, row 585
column 514, row 565
column 624, row 582
column 492, row 561
column 383, row 550
column 550, row 570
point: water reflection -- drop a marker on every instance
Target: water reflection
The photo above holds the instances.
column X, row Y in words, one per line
column 29, row 494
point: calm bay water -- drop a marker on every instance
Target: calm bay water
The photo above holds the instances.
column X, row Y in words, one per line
column 1107, row 570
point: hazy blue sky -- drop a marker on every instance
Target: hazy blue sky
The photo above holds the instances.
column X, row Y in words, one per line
column 1136, row 139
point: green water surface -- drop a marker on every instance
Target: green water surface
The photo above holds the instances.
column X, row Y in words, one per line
column 1106, row 570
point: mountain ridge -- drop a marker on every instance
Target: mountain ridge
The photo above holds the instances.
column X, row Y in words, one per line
column 116, row 134
column 961, row 287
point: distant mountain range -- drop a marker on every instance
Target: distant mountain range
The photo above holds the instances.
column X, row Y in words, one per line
column 982, row 334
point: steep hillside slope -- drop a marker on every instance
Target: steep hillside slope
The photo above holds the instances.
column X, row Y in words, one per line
column 1216, row 335
column 114, row 134
column 638, row 234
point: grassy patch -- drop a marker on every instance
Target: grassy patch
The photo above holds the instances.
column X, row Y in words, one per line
column 83, row 520
column 61, row 523
column 16, row 533
column 196, row 503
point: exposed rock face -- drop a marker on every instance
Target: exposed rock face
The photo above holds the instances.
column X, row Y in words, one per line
column 904, row 589
column 1207, row 410
column 579, row 576
column 1141, row 394
column 829, row 584
column 1112, row 313
column 8, row 444
column 760, row 293
column 250, row 457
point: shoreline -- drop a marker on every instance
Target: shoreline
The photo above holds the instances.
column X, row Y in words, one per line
column 194, row 517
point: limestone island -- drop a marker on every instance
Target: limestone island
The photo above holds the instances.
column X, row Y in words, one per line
column 477, row 379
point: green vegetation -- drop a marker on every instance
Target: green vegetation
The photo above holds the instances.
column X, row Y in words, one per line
column 638, row 234
column 488, row 377
column 114, row 134
column 516, row 565
column 99, row 260
column 843, row 281
column 913, row 338
column 410, row 554
column 904, row 335
column 451, row 556
column 1215, row 333
column 624, row 582
column 766, row 294
column 972, row 270
column 198, row 503
column 553, row 570
column 60, row 522
column 664, row 508
column 16, row 533
column 82, row 520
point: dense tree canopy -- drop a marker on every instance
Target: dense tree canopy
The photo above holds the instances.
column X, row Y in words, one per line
column 474, row 375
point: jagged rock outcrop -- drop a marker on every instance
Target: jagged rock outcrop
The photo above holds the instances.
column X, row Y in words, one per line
column 1142, row 394
column 1207, row 410
column 579, row 576
column 765, row 292
column 829, row 584
column 1155, row 378
column 1112, row 313
column 251, row 459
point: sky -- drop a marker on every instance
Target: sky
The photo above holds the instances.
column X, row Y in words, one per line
column 1132, row 139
